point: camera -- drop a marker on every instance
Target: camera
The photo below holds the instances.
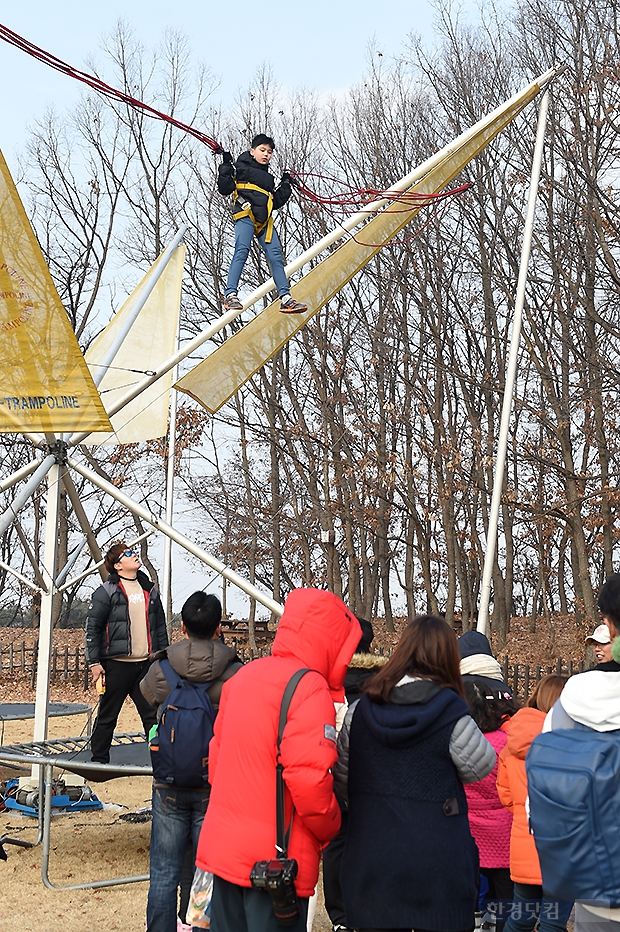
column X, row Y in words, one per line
column 277, row 877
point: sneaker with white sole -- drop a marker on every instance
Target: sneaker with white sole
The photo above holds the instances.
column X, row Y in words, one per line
column 290, row 306
column 231, row 302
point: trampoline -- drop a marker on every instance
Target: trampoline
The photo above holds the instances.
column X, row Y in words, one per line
column 129, row 756
column 19, row 711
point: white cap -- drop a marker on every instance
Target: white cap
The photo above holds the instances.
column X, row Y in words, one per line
column 600, row 635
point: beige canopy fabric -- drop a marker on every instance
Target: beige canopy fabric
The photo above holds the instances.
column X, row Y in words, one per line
column 216, row 379
column 150, row 341
column 46, row 385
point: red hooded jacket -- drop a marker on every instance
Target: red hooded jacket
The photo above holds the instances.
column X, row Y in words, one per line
column 316, row 631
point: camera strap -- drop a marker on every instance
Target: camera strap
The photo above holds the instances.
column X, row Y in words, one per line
column 282, row 836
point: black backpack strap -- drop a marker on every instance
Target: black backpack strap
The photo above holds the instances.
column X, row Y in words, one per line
column 282, row 836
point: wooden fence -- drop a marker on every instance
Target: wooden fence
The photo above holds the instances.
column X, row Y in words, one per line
column 69, row 665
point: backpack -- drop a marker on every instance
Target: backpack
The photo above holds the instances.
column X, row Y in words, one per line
column 573, row 778
column 180, row 745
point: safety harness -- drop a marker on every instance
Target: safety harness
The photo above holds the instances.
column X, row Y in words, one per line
column 247, row 209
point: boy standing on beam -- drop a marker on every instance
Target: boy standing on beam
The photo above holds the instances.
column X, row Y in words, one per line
column 255, row 197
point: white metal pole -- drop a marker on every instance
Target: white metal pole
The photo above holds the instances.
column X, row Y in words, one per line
column 22, row 579
column 166, row 588
column 185, row 542
column 500, row 463
column 25, row 492
column 47, row 599
column 313, row 252
column 20, row 474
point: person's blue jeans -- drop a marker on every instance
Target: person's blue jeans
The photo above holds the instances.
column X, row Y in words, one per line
column 529, row 904
column 244, row 232
column 177, row 819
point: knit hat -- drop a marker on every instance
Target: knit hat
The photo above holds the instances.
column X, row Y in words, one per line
column 600, row 635
column 477, row 657
column 474, row 642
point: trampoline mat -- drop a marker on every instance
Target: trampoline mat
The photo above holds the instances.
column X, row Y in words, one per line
column 129, row 756
column 16, row 711
column 122, row 756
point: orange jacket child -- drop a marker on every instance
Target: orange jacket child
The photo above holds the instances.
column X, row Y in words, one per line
column 512, row 789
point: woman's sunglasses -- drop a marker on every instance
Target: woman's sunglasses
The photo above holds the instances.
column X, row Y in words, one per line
column 129, row 553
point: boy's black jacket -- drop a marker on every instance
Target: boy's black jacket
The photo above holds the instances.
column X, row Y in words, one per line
column 246, row 170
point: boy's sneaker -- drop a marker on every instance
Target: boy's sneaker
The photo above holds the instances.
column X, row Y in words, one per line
column 290, row 306
column 232, row 303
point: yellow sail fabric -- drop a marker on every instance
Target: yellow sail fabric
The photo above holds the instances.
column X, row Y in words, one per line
column 46, row 385
column 216, row 379
column 150, row 341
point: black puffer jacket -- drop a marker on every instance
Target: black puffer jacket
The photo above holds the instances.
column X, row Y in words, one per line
column 107, row 622
column 247, row 170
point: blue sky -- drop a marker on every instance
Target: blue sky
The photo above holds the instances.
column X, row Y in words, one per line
column 322, row 45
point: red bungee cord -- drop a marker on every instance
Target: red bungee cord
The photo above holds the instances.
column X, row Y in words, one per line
column 350, row 200
column 356, row 200
column 98, row 85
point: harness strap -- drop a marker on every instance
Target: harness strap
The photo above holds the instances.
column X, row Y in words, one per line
column 247, row 209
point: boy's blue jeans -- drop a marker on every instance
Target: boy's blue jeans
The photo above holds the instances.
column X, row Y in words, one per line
column 244, row 232
column 530, row 904
column 177, row 820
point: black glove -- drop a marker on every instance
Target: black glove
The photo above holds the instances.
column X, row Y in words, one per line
column 227, row 158
column 286, row 178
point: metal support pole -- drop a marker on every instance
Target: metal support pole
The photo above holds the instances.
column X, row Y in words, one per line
column 41, row 584
column 185, row 542
column 500, row 463
column 20, row 474
column 166, row 588
column 25, row 493
column 80, row 514
column 42, row 697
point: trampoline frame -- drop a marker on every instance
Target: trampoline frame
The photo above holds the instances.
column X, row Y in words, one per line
column 51, row 753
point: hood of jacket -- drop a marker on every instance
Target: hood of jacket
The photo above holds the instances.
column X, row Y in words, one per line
column 199, row 660
column 318, row 630
column 415, row 709
column 522, row 729
column 593, row 698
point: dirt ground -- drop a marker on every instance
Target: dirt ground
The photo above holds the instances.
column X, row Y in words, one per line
column 84, row 846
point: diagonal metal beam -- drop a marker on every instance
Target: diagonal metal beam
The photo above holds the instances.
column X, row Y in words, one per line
column 30, row 554
column 181, row 539
column 82, row 517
